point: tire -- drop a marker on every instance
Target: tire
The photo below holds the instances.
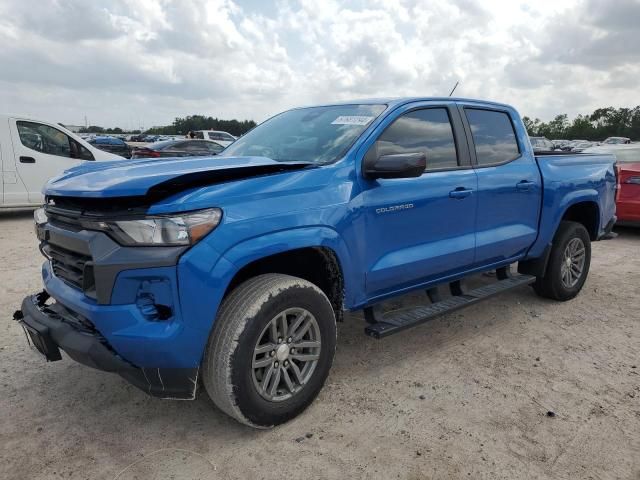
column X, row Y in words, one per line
column 244, row 323
column 553, row 285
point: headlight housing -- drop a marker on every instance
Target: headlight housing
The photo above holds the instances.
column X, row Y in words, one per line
column 160, row 230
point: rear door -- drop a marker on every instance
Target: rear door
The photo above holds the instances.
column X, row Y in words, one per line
column 42, row 151
column 420, row 229
column 509, row 184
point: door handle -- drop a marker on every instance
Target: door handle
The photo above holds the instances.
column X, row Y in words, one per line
column 524, row 185
column 27, row 160
column 460, row 192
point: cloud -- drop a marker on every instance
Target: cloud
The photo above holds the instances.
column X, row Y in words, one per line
column 600, row 35
column 144, row 62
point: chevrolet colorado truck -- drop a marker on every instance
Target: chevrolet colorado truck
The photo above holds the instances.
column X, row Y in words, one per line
column 230, row 272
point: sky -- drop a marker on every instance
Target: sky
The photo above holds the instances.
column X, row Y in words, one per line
column 140, row 63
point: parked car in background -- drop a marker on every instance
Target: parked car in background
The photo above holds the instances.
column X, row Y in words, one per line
column 558, row 144
column 178, row 148
column 616, row 141
column 32, row 152
column 541, row 144
column 223, row 138
column 113, row 145
column 580, row 146
column 572, row 143
column 628, row 170
column 137, row 138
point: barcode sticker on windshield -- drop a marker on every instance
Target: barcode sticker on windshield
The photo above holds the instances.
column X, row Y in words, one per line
column 352, row 120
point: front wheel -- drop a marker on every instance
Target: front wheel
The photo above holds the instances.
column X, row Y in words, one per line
column 568, row 265
column 270, row 350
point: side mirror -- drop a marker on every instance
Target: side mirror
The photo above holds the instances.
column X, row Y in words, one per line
column 399, row 165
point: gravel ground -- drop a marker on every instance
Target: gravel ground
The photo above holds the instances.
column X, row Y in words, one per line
column 464, row 396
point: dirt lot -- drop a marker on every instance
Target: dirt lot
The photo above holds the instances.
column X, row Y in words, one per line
column 465, row 396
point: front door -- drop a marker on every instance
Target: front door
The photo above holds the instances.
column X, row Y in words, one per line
column 420, row 229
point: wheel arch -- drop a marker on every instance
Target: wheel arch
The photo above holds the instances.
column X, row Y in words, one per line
column 585, row 212
column 317, row 255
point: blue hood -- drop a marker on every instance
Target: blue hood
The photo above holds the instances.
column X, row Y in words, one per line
column 162, row 177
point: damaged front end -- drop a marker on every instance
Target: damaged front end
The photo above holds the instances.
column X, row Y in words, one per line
column 130, row 284
column 51, row 327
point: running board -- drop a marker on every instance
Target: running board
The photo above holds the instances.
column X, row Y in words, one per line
column 383, row 325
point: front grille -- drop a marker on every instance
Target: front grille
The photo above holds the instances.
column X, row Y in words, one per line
column 66, row 219
column 73, row 268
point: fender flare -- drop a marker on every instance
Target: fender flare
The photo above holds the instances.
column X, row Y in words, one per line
column 548, row 225
column 256, row 248
column 573, row 198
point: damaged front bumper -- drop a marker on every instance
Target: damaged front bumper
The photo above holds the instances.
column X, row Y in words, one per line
column 51, row 327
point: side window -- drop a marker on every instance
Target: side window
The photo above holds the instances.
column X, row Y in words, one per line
column 45, row 139
column 493, row 136
column 425, row 131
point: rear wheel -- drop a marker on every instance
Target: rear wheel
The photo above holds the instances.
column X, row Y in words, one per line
column 568, row 265
column 270, row 350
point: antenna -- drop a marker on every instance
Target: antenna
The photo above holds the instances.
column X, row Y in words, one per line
column 454, row 88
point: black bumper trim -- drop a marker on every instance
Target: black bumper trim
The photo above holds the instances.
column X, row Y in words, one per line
column 57, row 329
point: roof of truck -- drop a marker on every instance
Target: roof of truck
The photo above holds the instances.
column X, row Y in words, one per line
column 396, row 101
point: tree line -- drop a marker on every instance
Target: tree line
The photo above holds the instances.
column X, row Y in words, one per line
column 602, row 123
column 181, row 126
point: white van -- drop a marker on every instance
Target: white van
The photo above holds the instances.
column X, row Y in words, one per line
column 32, row 152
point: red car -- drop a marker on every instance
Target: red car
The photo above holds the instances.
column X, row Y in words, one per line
column 628, row 168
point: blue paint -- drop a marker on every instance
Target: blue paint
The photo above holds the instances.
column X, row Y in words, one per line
column 381, row 253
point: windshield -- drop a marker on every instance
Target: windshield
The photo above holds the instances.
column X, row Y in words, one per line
column 317, row 134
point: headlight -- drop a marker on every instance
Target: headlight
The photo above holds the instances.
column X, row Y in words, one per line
column 185, row 229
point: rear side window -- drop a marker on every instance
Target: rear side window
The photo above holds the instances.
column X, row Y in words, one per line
column 493, row 136
column 425, row 131
column 43, row 138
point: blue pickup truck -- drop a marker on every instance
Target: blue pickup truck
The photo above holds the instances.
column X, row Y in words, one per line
column 231, row 271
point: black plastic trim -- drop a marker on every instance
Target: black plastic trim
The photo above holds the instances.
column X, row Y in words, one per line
column 108, row 258
column 60, row 328
column 536, row 266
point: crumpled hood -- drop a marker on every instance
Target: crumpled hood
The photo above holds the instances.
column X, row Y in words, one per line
column 158, row 177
